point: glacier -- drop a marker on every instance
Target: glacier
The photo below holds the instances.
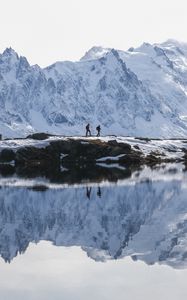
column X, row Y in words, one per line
column 139, row 92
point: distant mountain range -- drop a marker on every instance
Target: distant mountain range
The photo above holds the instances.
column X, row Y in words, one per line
column 139, row 92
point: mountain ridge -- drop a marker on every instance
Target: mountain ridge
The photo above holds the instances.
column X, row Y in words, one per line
column 140, row 92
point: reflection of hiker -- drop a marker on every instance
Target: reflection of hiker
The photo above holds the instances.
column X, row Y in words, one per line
column 99, row 192
column 88, row 192
column 88, row 130
column 98, row 128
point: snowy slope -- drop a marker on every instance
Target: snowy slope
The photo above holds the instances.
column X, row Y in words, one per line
column 140, row 92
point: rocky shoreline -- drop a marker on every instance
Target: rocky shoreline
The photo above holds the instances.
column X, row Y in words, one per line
column 46, row 155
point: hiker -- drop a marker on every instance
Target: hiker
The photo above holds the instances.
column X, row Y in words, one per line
column 98, row 128
column 88, row 130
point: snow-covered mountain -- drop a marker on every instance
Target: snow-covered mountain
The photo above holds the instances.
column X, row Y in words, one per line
column 146, row 220
column 139, row 92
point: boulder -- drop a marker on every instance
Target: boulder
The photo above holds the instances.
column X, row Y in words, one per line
column 39, row 136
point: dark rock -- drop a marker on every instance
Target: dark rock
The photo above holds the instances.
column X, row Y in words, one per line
column 39, row 136
column 6, row 170
column 152, row 159
column 116, row 151
column 32, row 155
column 126, row 147
column 7, row 155
column 113, row 143
column 132, row 159
column 116, row 148
column 38, row 188
column 137, row 147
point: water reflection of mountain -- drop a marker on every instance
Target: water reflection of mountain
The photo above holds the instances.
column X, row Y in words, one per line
column 147, row 220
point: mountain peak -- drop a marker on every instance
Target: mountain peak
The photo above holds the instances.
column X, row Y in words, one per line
column 95, row 53
column 9, row 56
column 10, row 52
column 174, row 45
column 174, row 42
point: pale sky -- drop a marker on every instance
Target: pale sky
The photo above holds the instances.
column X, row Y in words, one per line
column 46, row 31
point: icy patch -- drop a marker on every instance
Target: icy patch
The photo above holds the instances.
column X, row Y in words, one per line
column 110, row 166
column 63, row 155
column 20, row 143
column 112, row 158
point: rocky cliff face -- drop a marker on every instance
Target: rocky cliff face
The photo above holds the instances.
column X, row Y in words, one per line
column 139, row 92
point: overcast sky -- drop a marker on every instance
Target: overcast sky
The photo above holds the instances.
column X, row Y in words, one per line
column 49, row 30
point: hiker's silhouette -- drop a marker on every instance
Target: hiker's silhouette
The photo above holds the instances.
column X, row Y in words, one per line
column 98, row 128
column 88, row 132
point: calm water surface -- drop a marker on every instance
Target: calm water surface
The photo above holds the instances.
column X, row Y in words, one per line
column 95, row 240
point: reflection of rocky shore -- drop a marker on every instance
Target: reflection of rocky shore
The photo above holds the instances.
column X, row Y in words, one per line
column 146, row 220
column 57, row 174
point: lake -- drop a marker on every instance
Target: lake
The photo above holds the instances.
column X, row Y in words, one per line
column 122, row 238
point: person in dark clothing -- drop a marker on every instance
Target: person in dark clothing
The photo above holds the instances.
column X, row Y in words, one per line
column 98, row 128
column 88, row 192
column 99, row 192
column 88, row 130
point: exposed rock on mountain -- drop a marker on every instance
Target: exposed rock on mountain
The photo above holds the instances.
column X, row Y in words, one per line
column 139, row 92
